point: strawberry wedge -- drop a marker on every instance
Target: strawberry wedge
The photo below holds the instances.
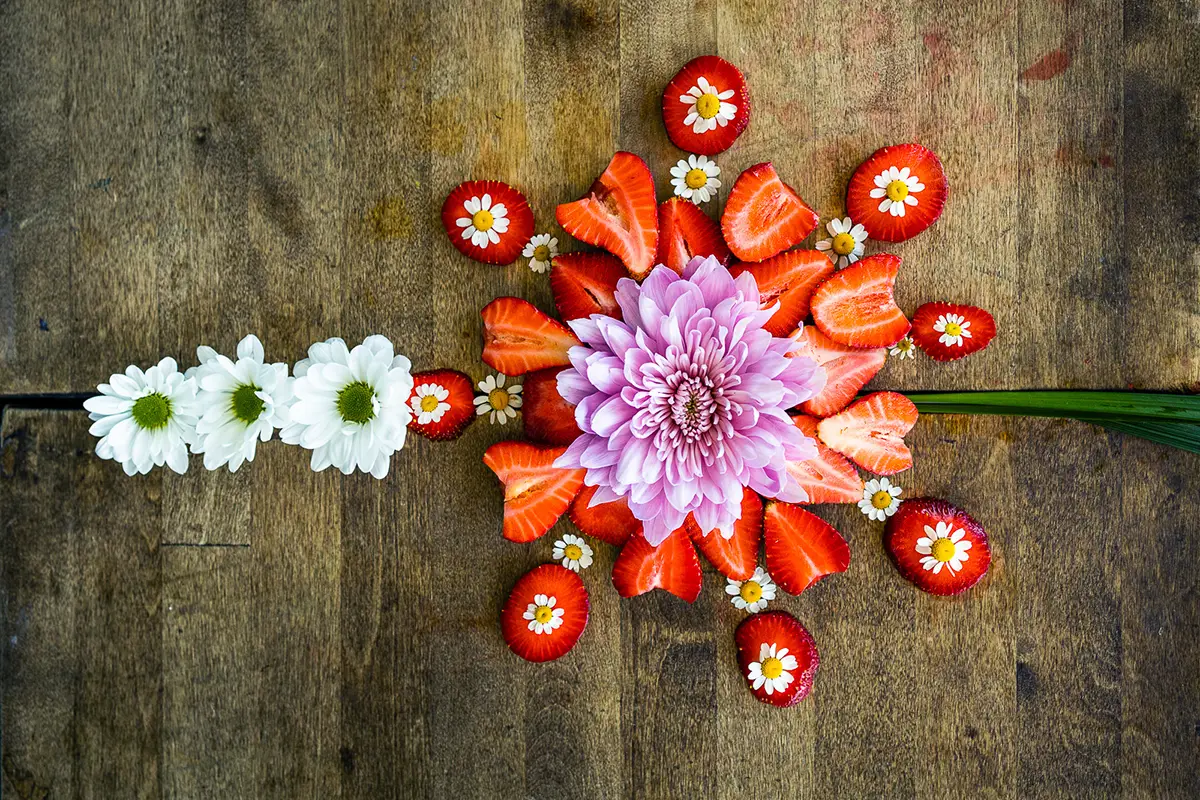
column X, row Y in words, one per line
column 684, row 232
column 619, row 214
column 788, row 279
column 548, row 418
column 847, row 370
column 609, row 522
column 828, row 478
column 737, row 556
column 586, row 284
column 871, row 432
column 801, row 547
column 764, row 216
column 536, row 493
column 672, row 567
column 518, row 338
column 857, row 307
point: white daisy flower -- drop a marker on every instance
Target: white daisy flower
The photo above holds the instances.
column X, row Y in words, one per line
column 953, row 329
column 485, row 222
column 239, row 404
column 772, row 670
column 145, row 419
column 696, row 178
column 542, row 615
column 708, row 106
column 751, row 594
column 573, row 552
column 943, row 547
column 498, row 400
column 351, row 406
column 428, row 402
column 880, row 499
column 895, row 189
column 845, row 243
column 539, row 250
column 905, row 348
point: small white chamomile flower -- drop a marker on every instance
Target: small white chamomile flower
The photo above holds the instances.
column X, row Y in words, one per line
column 953, row 329
column 895, row 189
column 540, row 250
column 696, row 178
column 542, row 615
column 905, row 348
column 773, row 670
column 845, row 243
column 573, row 552
column 753, row 593
column 497, row 400
column 880, row 499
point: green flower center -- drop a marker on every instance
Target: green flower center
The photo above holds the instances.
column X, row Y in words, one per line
column 152, row 411
column 247, row 405
column 355, row 402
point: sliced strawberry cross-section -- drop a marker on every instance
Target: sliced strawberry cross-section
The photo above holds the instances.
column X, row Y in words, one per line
column 764, row 216
column 871, row 432
column 706, row 106
column 536, row 493
column 672, row 566
column 545, row 614
column 857, row 306
column 801, row 547
column 847, row 370
column 736, row 556
column 949, row 331
column 828, row 478
column 548, row 418
column 586, row 284
column 778, row 657
column 898, row 192
column 684, row 232
column 610, row 522
column 488, row 221
column 937, row 546
column 442, row 404
column 619, row 214
column 518, row 338
column 789, row 279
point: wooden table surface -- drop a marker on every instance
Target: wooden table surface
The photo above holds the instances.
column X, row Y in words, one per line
column 178, row 172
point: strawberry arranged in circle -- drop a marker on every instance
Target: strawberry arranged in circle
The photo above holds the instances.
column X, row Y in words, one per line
column 442, row 404
column 778, row 657
column 898, row 192
column 937, row 546
column 871, row 432
column 518, row 338
column 610, row 522
column 801, row 547
column 706, row 106
column 847, row 370
column 536, row 493
column 764, row 216
column 857, row 306
column 789, row 279
column 672, row 567
column 949, row 331
column 619, row 214
column 545, row 614
column 586, row 284
column 548, row 418
column 736, row 556
column 828, row 478
column 684, row 232
column 488, row 221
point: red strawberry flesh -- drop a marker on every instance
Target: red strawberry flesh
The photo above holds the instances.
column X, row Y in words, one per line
column 780, row 630
column 518, row 338
column 570, row 605
column 870, row 432
column 764, row 216
column 536, row 493
column 937, row 546
column 619, row 214
column 801, row 547
column 857, row 306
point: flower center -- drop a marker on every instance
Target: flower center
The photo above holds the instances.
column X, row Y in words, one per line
column 942, row 549
column 707, row 105
column 247, row 405
column 897, row 191
column 429, row 403
column 772, row 668
column 751, row 591
column 692, row 407
column 953, row 329
column 498, row 398
column 881, row 499
column 355, row 402
column 543, row 614
column 541, row 253
column 904, row 345
column 695, row 178
column 152, row 411
column 843, row 244
column 482, row 219
column 573, row 552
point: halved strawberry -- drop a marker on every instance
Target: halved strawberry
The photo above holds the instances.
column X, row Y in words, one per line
column 684, row 232
column 442, row 404
column 488, row 221
column 706, row 106
column 619, row 214
column 847, row 369
column 545, row 614
column 672, row 566
column 737, row 556
column 937, row 546
column 536, row 493
column 609, row 522
column 585, row 284
column 548, row 418
column 856, row 307
column 828, row 478
column 764, row 216
column 871, row 432
column 801, row 547
column 949, row 331
column 790, row 279
column 778, row 657
column 898, row 192
column 518, row 338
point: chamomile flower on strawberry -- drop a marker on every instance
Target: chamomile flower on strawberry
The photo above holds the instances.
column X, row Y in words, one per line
column 937, row 546
column 845, row 243
column 573, row 552
column 880, row 499
column 778, row 657
column 752, row 594
column 496, row 400
column 696, row 178
column 898, row 192
column 488, row 221
column 541, row 250
column 442, row 403
column 706, row 106
column 545, row 614
column 905, row 348
column 949, row 331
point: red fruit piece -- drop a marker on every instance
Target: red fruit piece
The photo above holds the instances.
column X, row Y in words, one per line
column 706, row 106
column 778, row 657
column 905, row 177
column 518, row 338
column 619, row 214
column 764, row 216
column 609, row 522
column 948, row 331
column 871, row 432
column 937, row 546
column 790, row 279
column 737, row 556
column 828, row 478
column 684, row 232
column 545, row 613
column 586, row 284
column 548, row 418
column 801, row 547
column 856, row 307
column 536, row 493
column 672, row 566
column 445, row 400
column 488, row 221
column 847, row 370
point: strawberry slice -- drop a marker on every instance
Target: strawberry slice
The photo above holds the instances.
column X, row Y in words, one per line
column 856, row 307
column 898, row 192
column 518, row 338
column 764, row 216
column 488, row 221
column 548, row 418
column 545, row 614
column 790, row 279
column 706, row 106
column 536, row 493
column 619, row 214
column 586, row 284
column 847, row 370
column 672, row 566
column 801, row 547
column 937, row 546
column 828, row 478
column 684, row 232
column 737, row 556
column 442, row 404
column 871, row 432
column 609, row 522
column 949, row 331
column 778, row 657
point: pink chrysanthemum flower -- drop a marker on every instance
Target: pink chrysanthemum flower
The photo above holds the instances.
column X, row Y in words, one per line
column 685, row 402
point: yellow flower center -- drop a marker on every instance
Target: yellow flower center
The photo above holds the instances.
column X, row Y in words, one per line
column 751, row 592
column 707, row 105
column 482, row 219
column 573, row 552
column 881, row 499
column 541, row 253
column 695, row 178
column 772, row 668
column 897, row 191
column 543, row 614
column 942, row 549
column 953, row 329
column 429, row 403
column 904, row 345
column 498, row 398
column 843, row 244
